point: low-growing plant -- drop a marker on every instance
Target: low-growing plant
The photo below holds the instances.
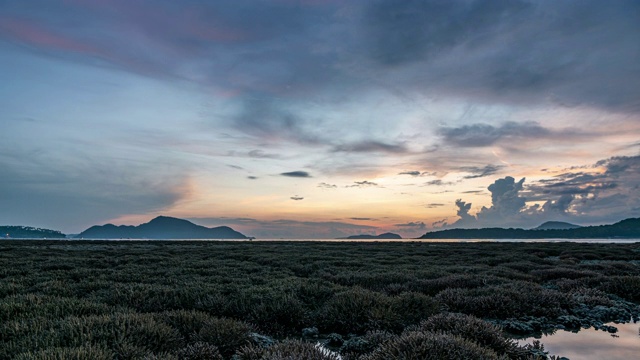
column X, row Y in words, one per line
column 426, row 345
column 286, row 350
column 226, row 334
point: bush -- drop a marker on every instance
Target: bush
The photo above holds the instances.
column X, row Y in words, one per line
column 426, row 345
column 74, row 353
column 286, row 350
column 356, row 311
column 200, row 351
column 472, row 328
column 226, row 334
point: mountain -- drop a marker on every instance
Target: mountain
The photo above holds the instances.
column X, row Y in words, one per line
column 557, row 225
column 381, row 236
column 162, row 227
column 27, row 232
column 629, row 228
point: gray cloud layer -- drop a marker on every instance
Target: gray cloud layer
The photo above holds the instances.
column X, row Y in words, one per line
column 582, row 196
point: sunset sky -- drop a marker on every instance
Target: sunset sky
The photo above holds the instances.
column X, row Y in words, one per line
column 319, row 119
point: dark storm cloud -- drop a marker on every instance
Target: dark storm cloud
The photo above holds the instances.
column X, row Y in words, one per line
column 409, row 31
column 371, row 146
column 524, row 51
column 478, row 172
column 296, row 174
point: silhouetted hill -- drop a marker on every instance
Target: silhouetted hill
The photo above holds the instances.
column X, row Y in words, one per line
column 27, row 232
column 629, row 228
column 557, row 225
column 162, row 227
column 381, row 236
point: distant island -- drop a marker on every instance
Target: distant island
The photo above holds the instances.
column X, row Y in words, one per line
column 557, row 225
column 629, row 228
column 162, row 227
column 27, row 232
column 381, row 236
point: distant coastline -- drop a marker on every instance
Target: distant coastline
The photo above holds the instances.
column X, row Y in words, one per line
column 369, row 237
column 625, row 229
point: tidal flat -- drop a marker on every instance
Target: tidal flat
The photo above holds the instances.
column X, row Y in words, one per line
column 277, row 300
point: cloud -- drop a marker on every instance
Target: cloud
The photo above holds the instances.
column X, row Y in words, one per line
column 433, row 205
column 482, row 135
column 608, row 193
column 371, row 146
column 94, row 188
column 412, row 173
column 296, row 174
column 364, row 183
column 439, row 182
column 327, row 186
column 517, row 51
column 414, row 225
column 479, row 172
column 252, row 177
column 254, row 154
column 235, row 167
column 361, row 218
column 297, row 198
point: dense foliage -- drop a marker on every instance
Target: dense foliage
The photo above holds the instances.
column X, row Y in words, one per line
column 276, row 300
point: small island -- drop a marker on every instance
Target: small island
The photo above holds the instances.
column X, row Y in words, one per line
column 386, row 236
column 28, row 232
column 161, row 227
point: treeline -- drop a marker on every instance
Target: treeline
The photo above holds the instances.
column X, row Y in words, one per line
column 27, row 232
column 629, row 228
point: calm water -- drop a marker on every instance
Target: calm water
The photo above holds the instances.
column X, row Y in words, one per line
column 621, row 241
column 590, row 344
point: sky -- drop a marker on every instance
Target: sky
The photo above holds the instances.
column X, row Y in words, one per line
column 319, row 118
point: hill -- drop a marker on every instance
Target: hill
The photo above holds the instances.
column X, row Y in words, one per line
column 27, row 232
column 162, row 227
column 381, row 236
column 557, row 225
column 629, row 228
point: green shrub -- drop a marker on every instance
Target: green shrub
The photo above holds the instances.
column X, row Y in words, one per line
column 472, row 328
column 286, row 350
column 425, row 345
column 412, row 307
column 357, row 346
column 74, row 353
column 226, row 334
column 356, row 311
column 200, row 351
